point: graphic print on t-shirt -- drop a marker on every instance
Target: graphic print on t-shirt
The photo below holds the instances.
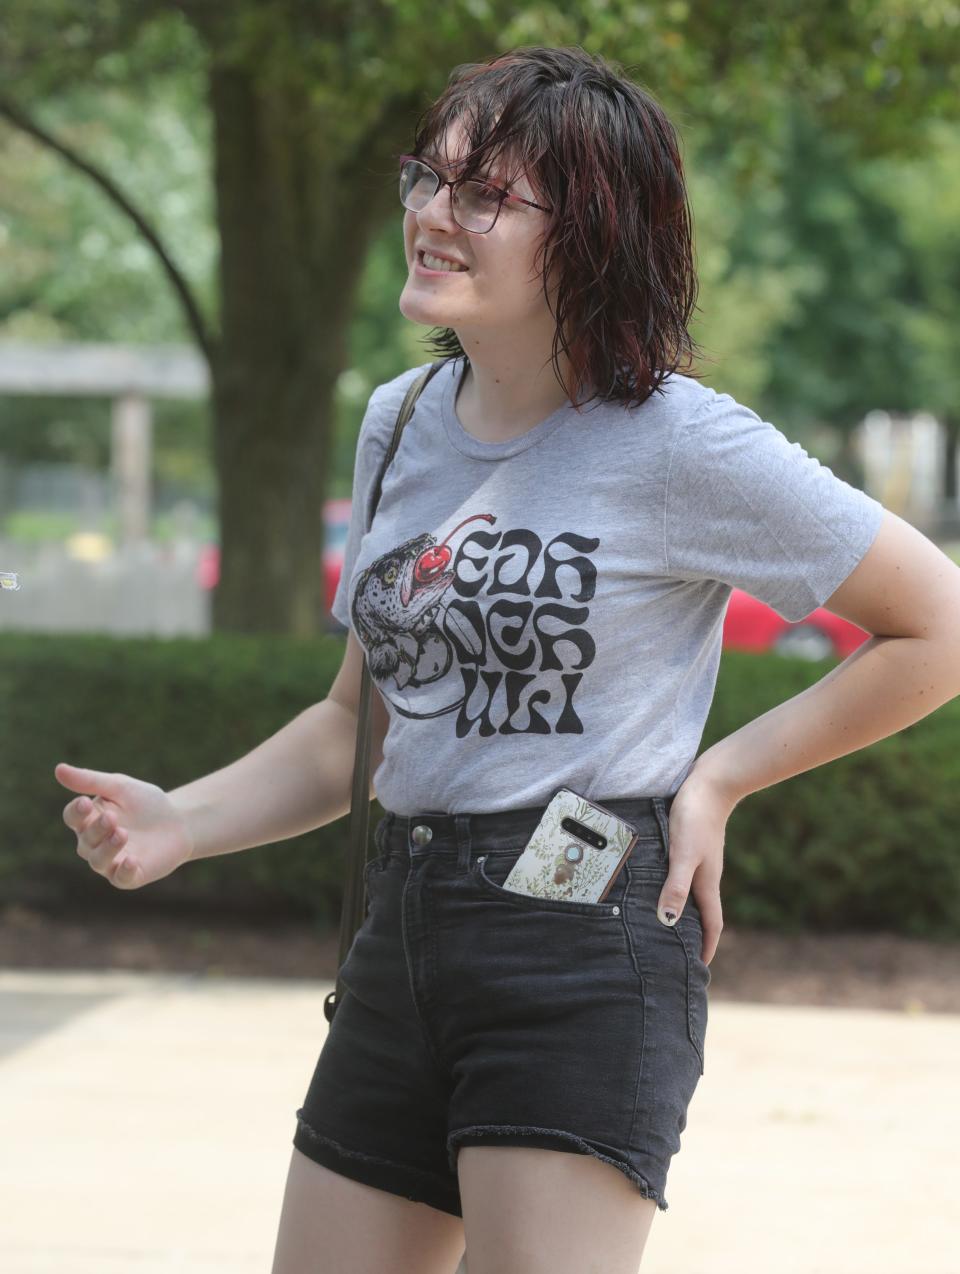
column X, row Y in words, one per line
column 495, row 633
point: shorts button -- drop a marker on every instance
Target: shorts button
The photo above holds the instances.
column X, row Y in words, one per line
column 616, row 911
column 422, row 834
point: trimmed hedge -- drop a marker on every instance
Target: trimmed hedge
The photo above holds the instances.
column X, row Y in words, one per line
column 867, row 842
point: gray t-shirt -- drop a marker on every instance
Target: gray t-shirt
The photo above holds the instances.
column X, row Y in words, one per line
column 549, row 610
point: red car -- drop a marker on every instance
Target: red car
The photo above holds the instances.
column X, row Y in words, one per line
column 752, row 625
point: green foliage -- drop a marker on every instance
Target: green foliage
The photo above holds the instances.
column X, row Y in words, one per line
column 72, row 266
column 840, row 349
column 168, row 706
column 867, row 842
column 808, row 302
column 828, row 288
column 925, row 190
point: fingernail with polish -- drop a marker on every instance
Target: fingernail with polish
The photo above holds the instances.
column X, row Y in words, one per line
column 668, row 917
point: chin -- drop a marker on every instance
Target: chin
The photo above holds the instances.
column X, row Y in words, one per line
column 418, row 311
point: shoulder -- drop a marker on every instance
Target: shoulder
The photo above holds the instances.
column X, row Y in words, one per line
column 726, row 456
column 683, row 396
column 380, row 416
column 387, row 398
column 711, row 425
column 676, row 409
column 693, row 406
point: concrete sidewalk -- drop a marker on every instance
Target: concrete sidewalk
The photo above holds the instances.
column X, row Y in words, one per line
column 146, row 1126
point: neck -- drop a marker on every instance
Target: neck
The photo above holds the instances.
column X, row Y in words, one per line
column 507, row 398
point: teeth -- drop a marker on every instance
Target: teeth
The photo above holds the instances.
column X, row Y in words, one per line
column 437, row 263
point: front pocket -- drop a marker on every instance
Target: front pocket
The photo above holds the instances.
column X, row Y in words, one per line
column 375, row 864
column 598, row 910
column 690, row 936
column 380, row 864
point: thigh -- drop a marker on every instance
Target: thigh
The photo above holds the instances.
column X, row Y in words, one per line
column 541, row 1211
column 330, row 1224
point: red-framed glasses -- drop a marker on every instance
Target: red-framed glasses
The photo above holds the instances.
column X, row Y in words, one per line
column 475, row 204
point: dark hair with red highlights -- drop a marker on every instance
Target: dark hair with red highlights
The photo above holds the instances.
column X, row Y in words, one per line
column 602, row 154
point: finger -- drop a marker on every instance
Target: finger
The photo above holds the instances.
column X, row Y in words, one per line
column 673, row 897
column 711, row 917
column 91, row 834
column 102, row 857
column 76, row 813
column 100, row 828
column 122, row 871
column 76, row 779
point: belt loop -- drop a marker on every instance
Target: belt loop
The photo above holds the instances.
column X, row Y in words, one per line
column 382, row 834
column 660, row 810
column 462, row 825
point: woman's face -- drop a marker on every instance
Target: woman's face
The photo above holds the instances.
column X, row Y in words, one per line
column 499, row 291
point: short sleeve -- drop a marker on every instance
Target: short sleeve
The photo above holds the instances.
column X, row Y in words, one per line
column 371, row 450
column 746, row 506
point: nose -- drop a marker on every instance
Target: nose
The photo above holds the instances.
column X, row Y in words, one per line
column 431, row 211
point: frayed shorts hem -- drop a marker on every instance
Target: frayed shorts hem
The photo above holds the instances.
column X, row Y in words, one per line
column 415, row 1184
column 548, row 1139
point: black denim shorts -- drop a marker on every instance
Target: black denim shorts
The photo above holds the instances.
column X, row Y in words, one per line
column 473, row 1015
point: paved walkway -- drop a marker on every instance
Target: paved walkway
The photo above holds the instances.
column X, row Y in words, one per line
column 146, row 1125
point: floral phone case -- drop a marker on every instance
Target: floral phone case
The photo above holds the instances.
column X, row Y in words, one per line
column 576, row 851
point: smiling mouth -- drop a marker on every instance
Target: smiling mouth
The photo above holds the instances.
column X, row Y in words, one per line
column 453, row 266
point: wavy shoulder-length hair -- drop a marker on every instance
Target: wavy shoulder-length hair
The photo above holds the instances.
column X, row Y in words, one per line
column 602, row 154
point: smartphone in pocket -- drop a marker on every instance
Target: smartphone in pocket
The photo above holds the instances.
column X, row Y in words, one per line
column 576, row 851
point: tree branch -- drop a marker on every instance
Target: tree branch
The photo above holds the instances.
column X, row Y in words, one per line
column 195, row 320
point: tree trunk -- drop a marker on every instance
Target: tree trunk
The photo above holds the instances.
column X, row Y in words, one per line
column 295, row 223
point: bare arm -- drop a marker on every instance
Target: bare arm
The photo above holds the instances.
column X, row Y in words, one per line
column 906, row 592
column 298, row 779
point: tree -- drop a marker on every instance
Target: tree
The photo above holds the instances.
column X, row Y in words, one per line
column 308, row 104
column 926, row 191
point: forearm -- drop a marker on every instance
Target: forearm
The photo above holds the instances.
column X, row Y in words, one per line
column 298, row 779
column 884, row 685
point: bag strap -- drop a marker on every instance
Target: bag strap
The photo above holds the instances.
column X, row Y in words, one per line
column 354, row 893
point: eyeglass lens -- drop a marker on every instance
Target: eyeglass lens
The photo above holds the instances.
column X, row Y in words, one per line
column 475, row 204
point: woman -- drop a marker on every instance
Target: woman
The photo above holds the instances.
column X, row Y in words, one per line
column 540, row 597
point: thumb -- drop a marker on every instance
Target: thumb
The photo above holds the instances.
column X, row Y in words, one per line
column 673, row 898
column 79, row 780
